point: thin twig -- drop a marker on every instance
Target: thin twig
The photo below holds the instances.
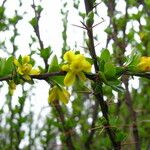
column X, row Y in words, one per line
column 37, row 32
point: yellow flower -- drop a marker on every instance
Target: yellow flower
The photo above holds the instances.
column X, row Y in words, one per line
column 69, row 56
column 12, row 87
column 144, row 64
column 58, row 93
column 25, row 69
column 75, row 67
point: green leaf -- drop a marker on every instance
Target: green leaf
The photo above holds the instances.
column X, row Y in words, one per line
column 90, row 18
column 2, row 9
column 21, row 100
column 120, row 136
column 54, row 66
column 6, row 66
column 33, row 22
column 89, row 60
column 119, row 71
column 101, row 64
column 117, row 88
column 147, row 2
column 22, row 120
column 109, row 70
column 22, row 134
column 9, row 66
column 2, row 65
column 39, row 9
column 58, row 79
column 108, row 30
column 46, row 52
column 105, row 55
column 15, row 19
column 114, row 82
column 83, row 15
column 132, row 61
column 102, row 77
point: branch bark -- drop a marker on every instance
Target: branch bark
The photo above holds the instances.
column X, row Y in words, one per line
column 67, row 131
column 129, row 103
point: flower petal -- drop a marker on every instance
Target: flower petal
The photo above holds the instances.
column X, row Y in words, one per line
column 16, row 62
column 69, row 78
column 86, row 66
column 63, row 95
column 52, row 94
column 144, row 64
column 26, row 68
column 19, row 70
column 26, row 77
column 76, row 66
column 34, row 72
column 26, row 59
column 79, row 57
column 65, row 67
column 69, row 56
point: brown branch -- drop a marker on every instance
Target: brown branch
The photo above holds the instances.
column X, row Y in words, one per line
column 89, row 8
column 93, row 77
column 138, row 74
column 129, row 103
column 67, row 131
column 99, row 95
column 37, row 32
column 3, row 3
column 89, row 140
column 9, row 77
column 36, row 29
column 45, row 76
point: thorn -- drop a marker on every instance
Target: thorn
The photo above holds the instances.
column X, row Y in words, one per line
column 84, row 47
column 84, row 25
column 98, row 23
column 97, row 45
column 78, row 26
column 101, row 131
column 96, row 5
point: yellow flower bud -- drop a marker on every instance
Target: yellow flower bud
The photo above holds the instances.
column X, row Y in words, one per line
column 58, row 93
column 12, row 87
column 26, row 59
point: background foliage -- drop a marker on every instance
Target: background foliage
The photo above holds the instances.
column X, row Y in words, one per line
column 81, row 124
